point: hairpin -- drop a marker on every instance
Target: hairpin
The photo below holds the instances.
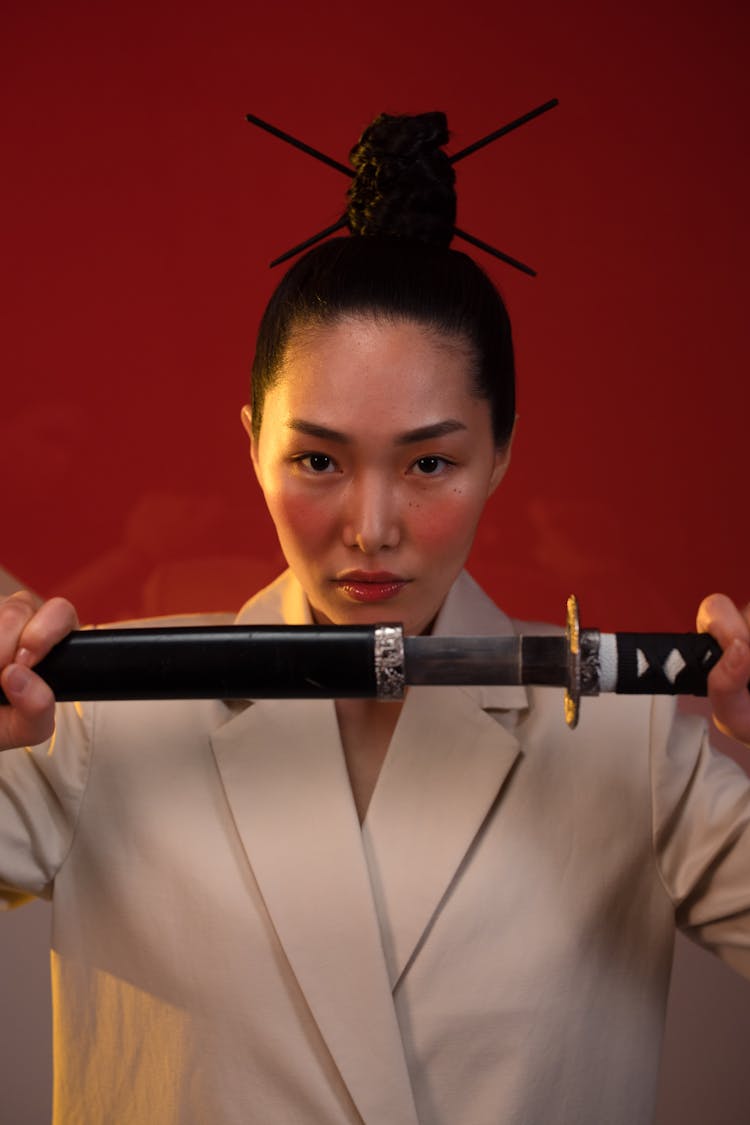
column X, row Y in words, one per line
column 339, row 167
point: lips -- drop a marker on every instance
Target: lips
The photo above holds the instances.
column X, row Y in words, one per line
column 370, row 586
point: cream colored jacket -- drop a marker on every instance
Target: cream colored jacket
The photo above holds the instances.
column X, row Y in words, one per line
column 491, row 947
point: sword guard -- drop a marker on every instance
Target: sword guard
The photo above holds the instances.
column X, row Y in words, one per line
column 573, row 635
column 584, row 662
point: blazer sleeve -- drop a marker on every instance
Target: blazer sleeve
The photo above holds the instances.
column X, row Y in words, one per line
column 701, row 832
column 41, row 793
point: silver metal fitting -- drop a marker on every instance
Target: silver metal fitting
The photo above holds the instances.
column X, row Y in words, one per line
column 389, row 662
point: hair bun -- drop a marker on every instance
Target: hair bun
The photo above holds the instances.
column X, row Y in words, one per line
column 404, row 182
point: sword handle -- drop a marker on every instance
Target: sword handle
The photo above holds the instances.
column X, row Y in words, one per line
column 634, row 663
column 664, row 663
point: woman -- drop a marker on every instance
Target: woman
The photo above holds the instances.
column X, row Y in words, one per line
column 448, row 910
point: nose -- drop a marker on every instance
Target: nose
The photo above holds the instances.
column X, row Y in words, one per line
column 371, row 519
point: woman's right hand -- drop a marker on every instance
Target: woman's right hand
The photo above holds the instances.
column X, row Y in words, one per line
column 27, row 633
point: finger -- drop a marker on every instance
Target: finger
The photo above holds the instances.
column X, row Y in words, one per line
column 728, row 690
column 15, row 614
column 30, row 718
column 719, row 616
column 53, row 621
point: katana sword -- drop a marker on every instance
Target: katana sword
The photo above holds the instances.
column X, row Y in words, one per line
column 374, row 661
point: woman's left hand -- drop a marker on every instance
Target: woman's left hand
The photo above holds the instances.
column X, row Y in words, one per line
column 728, row 680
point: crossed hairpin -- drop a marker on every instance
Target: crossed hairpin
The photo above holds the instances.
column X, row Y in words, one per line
column 343, row 221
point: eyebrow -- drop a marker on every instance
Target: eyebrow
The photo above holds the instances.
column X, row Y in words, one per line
column 422, row 433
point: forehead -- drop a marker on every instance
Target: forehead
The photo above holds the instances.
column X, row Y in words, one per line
column 391, row 366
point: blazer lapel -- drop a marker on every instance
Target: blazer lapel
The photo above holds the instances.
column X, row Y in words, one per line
column 285, row 780
column 452, row 752
column 445, row 767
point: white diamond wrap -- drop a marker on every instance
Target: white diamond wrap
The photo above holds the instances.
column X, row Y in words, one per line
column 673, row 665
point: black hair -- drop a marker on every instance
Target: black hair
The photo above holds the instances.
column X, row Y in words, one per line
column 397, row 265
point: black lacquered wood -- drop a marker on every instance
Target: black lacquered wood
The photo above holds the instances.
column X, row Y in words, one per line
column 228, row 662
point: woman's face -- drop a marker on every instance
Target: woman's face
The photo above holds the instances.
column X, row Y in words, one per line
column 375, row 460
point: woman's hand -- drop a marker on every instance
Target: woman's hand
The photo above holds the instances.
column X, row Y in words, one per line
column 27, row 633
column 728, row 680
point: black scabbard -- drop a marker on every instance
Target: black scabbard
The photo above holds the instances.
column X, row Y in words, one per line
column 227, row 662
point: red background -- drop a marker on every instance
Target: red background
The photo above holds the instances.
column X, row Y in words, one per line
column 139, row 212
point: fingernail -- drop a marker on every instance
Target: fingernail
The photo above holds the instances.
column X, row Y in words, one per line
column 17, row 679
column 25, row 656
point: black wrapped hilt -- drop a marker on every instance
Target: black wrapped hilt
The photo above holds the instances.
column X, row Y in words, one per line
column 634, row 663
column 664, row 663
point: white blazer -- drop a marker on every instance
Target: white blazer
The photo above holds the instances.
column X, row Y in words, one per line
column 492, row 945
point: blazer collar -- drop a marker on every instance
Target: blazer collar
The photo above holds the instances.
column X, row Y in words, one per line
column 282, row 603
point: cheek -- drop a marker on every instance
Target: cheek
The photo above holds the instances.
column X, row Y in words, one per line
column 446, row 524
column 301, row 516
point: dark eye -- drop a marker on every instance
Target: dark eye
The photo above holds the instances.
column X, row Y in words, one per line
column 317, row 463
column 429, row 465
